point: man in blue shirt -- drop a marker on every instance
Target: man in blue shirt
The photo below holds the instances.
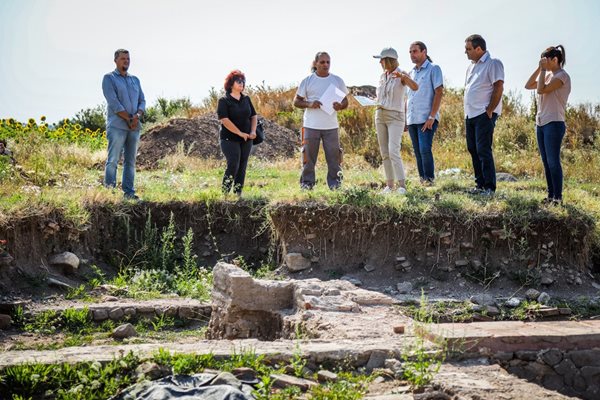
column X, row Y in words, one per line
column 423, row 108
column 125, row 106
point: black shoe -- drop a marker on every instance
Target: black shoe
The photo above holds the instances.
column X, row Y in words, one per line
column 487, row 193
column 475, row 190
column 131, row 197
column 306, row 186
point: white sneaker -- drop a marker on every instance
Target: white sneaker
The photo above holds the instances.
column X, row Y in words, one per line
column 401, row 191
column 386, row 190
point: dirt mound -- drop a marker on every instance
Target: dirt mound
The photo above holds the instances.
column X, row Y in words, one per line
column 365, row 90
column 200, row 138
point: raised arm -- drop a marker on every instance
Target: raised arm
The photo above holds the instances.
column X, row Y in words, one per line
column 532, row 81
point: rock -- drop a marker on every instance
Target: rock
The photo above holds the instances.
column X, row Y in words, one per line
column 543, row 298
column 188, row 312
column 395, row 366
column 483, row 299
column 461, row 263
column 404, row 287
column 296, row 262
column 492, row 311
column 551, row 356
column 399, row 329
column 5, row 321
column 591, row 375
column 377, row 359
column 124, row 331
column 99, row 314
column 282, row 381
column 311, row 236
column 68, row 261
column 547, row 280
column 243, row 307
column 532, row 294
column 513, row 302
column 505, row 177
column 354, row 281
column 326, row 376
column 5, row 259
column 116, row 313
column 578, row 281
column 369, row 267
column 227, row 378
column 245, row 375
column 370, row 298
column 109, row 298
column 566, row 368
column 595, row 285
column 152, row 371
column 553, row 381
column 582, row 358
column 129, row 311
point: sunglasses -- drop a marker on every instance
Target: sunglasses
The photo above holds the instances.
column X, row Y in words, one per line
column 240, row 80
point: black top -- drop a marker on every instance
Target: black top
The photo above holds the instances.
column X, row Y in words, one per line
column 239, row 112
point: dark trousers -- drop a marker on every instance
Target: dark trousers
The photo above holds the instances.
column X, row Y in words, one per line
column 549, row 138
column 422, row 142
column 236, row 154
column 480, row 136
column 333, row 156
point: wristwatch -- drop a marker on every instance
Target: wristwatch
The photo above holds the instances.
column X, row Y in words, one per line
column 430, row 117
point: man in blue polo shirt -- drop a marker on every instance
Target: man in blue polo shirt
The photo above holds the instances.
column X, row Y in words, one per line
column 484, row 84
column 125, row 106
column 423, row 108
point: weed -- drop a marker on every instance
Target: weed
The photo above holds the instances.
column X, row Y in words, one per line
column 421, row 364
column 348, row 387
column 79, row 292
column 76, row 321
column 18, row 316
column 298, row 363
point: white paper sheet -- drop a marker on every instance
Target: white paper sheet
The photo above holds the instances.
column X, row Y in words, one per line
column 331, row 95
column 365, row 101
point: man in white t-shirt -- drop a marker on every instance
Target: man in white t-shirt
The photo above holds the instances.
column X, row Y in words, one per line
column 319, row 124
column 484, row 84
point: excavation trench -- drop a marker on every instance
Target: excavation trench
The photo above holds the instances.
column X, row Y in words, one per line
column 316, row 245
column 336, row 240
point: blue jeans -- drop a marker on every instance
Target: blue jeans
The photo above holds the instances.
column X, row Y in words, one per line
column 480, row 136
column 126, row 141
column 549, row 138
column 422, row 142
column 236, row 154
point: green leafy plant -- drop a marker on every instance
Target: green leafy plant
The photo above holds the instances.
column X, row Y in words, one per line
column 421, row 364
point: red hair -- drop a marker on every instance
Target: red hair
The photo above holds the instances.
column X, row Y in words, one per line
column 231, row 77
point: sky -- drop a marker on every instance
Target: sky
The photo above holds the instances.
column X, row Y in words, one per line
column 53, row 53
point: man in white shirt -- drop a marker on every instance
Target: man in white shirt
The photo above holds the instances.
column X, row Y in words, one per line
column 320, row 125
column 484, row 84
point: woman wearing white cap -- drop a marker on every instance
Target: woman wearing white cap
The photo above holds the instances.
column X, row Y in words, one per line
column 390, row 118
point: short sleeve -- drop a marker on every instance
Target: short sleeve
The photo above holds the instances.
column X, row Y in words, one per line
column 562, row 76
column 252, row 110
column 437, row 79
column 302, row 89
column 222, row 108
column 342, row 85
column 496, row 71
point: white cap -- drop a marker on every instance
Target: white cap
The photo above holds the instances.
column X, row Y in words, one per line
column 388, row 52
